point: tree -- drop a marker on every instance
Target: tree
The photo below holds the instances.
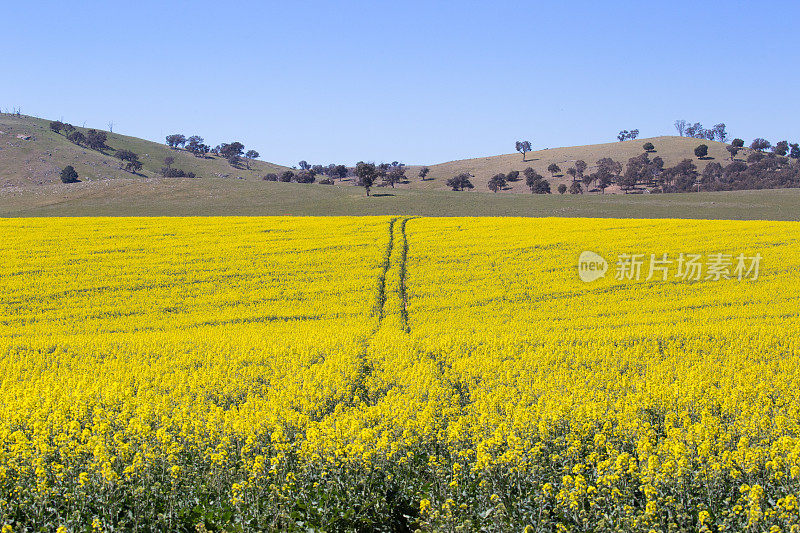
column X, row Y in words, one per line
column 96, row 140
column 303, row 165
column 56, row 126
column 607, row 171
column 648, row 147
column 250, row 155
column 195, row 146
column 553, row 169
column 423, row 173
column 366, row 173
column 497, row 182
column 76, row 137
column 580, row 168
column 168, row 161
column 712, row 173
column 512, row 176
column 572, row 172
column 316, row 169
column 733, row 150
column 562, row 188
column 523, row 147
column 305, row 176
column 636, row 170
column 680, row 125
column 760, row 144
column 460, row 182
column 270, row 177
column 128, row 160
column 795, row 151
column 719, row 132
column 232, row 152
column 701, row 151
column 739, row 143
column 604, row 179
column 68, row 128
column 175, row 140
column 622, row 135
column 286, row 176
column 633, row 134
column 396, row 174
column 532, row 177
column 684, row 175
column 341, row 171
column 575, row 188
column 68, row 175
column 541, row 187
column 781, row 148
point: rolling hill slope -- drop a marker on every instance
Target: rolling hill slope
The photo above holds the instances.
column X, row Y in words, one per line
column 30, row 184
column 671, row 149
column 39, row 160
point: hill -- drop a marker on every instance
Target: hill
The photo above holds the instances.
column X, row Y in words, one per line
column 30, row 184
column 39, row 159
column 670, row 148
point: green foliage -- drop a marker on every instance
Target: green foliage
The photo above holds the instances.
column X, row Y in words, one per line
column 68, row 175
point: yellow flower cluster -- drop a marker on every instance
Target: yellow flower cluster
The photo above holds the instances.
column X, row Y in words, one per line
column 349, row 373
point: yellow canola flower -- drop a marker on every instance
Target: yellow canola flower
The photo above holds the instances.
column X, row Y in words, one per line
column 262, row 357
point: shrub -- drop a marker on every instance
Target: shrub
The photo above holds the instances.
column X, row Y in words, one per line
column 68, row 175
column 701, row 151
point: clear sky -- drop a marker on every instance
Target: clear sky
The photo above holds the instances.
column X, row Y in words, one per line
column 418, row 82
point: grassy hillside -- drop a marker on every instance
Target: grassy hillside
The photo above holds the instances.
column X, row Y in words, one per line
column 671, row 149
column 39, row 160
column 211, row 196
column 30, row 184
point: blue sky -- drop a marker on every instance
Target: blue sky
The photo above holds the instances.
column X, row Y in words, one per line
column 418, row 82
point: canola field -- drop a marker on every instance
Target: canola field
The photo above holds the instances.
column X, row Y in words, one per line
column 398, row 374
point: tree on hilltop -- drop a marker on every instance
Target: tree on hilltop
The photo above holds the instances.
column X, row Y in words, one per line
column 232, row 152
column 195, row 146
column 781, row 148
column 56, row 126
column 250, row 155
column 175, row 140
column 523, row 147
column 760, row 144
